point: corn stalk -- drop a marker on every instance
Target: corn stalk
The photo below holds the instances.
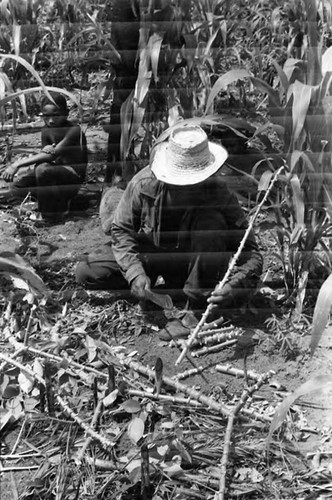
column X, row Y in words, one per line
column 300, row 111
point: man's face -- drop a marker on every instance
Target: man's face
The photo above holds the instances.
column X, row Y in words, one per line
column 53, row 116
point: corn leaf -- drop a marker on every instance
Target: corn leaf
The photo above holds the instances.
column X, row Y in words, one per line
column 313, row 385
column 155, row 42
column 265, row 180
column 15, row 266
column 327, row 61
column 321, row 313
column 47, row 91
column 301, row 102
column 298, row 201
column 282, row 76
column 30, row 68
column 126, row 114
column 327, row 198
column 264, row 87
column 223, row 82
column 16, row 34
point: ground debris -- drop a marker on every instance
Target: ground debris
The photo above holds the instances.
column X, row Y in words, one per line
column 89, row 445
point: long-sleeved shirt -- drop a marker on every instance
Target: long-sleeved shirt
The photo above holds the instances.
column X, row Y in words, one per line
column 142, row 212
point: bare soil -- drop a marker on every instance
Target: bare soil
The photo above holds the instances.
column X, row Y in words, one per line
column 54, row 252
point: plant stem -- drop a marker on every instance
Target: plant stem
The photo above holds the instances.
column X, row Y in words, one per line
column 165, row 397
column 198, row 396
column 213, row 348
column 228, row 435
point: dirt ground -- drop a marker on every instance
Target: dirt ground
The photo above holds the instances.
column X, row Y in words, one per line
column 61, row 246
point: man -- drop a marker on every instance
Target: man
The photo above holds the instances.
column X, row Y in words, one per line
column 177, row 219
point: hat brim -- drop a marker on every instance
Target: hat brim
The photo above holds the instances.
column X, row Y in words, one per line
column 165, row 173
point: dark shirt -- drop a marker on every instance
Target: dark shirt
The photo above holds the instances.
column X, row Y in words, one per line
column 143, row 209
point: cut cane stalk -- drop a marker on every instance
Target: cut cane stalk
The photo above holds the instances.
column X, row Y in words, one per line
column 231, row 266
column 216, row 338
column 237, row 372
column 213, row 331
column 198, row 396
column 165, row 398
column 88, row 441
column 228, row 435
column 213, row 348
column 104, row 442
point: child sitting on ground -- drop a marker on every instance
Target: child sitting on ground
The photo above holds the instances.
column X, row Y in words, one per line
column 54, row 175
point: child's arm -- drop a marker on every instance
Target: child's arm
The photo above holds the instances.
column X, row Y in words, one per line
column 11, row 170
column 72, row 137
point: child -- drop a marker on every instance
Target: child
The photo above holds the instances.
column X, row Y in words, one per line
column 55, row 174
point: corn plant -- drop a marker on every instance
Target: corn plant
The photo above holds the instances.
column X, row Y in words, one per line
column 299, row 110
column 181, row 49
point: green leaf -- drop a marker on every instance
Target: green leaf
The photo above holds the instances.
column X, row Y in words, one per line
column 223, row 82
column 155, row 42
column 126, row 114
column 298, row 201
column 91, row 348
column 302, row 95
column 282, row 76
column 26, row 382
column 321, row 313
column 110, row 398
column 262, row 86
column 47, row 91
column 135, row 429
column 10, row 391
column 131, row 406
column 313, row 385
column 327, row 198
column 16, row 35
column 30, row 68
column 265, row 180
column 15, row 266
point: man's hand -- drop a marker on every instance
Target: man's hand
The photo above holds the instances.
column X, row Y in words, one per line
column 138, row 286
column 9, row 173
column 223, row 297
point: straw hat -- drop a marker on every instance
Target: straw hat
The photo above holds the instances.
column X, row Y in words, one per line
column 187, row 157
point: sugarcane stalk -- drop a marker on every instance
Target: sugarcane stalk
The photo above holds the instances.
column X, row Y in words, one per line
column 213, row 348
column 237, row 372
column 216, row 338
column 228, row 434
column 213, row 331
column 70, row 362
column 105, row 443
column 93, row 424
column 231, row 266
column 191, row 372
column 198, row 396
column 165, row 398
column 15, row 354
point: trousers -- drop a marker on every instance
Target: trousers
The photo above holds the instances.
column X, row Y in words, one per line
column 52, row 185
column 195, row 268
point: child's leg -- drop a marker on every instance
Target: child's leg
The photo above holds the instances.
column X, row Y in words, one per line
column 24, row 182
column 57, row 185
